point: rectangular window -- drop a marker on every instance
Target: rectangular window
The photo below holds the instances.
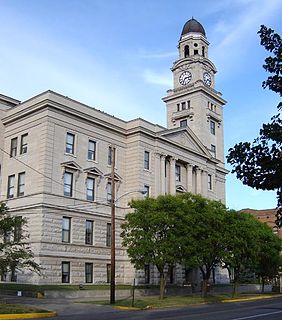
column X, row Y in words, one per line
column 66, row 229
column 108, row 273
column 90, row 189
column 89, row 232
column 212, row 127
column 18, row 229
column 146, row 160
column 209, row 182
column 91, row 150
column 23, row 144
column 177, row 172
column 13, row 150
column 11, row 186
column 178, row 107
column 213, row 150
column 188, row 104
column 183, row 123
column 146, row 191
column 183, row 105
column 68, row 181
column 65, row 272
column 89, row 272
column 70, row 143
column 21, row 184
column 110, row 156
column 109, row 191
column 109, row 235
column 147, row 273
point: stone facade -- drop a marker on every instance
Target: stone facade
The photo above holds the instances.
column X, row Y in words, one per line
column 55, row 168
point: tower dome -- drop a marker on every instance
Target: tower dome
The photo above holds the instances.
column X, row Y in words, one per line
column 193, row 25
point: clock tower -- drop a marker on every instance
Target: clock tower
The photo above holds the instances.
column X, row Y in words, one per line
column 193, row 101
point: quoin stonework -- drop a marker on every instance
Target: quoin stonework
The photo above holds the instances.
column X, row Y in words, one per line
column 56, row 155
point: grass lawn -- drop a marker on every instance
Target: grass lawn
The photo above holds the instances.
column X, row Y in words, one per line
column 177, row 301
column 14, row 308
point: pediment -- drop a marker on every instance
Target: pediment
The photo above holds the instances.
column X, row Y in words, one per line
column 185, row 137
column 117, row 177
column 94, row 171
column 71, row 165
column 180, row 189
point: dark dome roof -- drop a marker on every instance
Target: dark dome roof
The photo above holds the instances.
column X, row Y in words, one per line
column 193, row 25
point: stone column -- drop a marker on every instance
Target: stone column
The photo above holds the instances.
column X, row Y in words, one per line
column 172, row 176
column 157, row 174
column 162, row 174
column 198, row 180
column 204, row 183
column 189, row 177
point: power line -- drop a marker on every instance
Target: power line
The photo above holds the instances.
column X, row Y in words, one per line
column 61, row 184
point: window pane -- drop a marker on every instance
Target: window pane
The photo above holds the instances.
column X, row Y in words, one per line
column 68, row 184
column 11, row 186
column 88, row 272
column 66, row 227
column 146, row 160
column 89, row 232
column 212, row 127
column 21, row 183
column 91, row 150
column 110, row 156
column 24, row 143
column 13, row 151
column 109, row 235
column 108, row 273
column 70, row 143
column 90, row 185
column 65, row 272
column 109, row 192
column 177, row 173
column 147, row 190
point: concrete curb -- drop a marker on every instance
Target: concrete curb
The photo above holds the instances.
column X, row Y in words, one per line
column 33, row 315
column 250, row 298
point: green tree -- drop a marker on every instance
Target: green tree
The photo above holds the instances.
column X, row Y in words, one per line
column 202, row 244
column 246, row 238
column 149, row 233
column 15, row 253
column 269, row 258
column 259, row 164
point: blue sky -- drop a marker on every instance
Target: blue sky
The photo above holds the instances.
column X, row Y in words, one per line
column 116, row 56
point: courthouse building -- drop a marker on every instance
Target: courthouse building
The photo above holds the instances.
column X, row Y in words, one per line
column 55, row 156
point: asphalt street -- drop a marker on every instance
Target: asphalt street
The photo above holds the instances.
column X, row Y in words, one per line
column 270, row 309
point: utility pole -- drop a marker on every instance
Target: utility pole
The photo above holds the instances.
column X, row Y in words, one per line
column 113, row 228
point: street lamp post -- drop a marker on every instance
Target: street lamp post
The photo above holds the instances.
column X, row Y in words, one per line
column 113, row 229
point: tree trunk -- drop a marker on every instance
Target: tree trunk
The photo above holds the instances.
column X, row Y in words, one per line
column 262, row 284
column 235, row 283
column 206, row 276
column 162, row 284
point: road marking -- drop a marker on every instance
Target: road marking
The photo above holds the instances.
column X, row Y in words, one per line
column 258, row 315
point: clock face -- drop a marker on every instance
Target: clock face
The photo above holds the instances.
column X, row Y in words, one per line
column 207, row 78
column 185, row 77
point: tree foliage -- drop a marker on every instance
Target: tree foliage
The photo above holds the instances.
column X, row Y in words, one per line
column 269, row 258
column 259, row 164
column 197, row 233
column 15, row 252
column 150, row 232
column 201, row 242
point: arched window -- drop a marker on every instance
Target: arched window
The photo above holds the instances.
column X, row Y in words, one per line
column 186, row 51
column 203, row 51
